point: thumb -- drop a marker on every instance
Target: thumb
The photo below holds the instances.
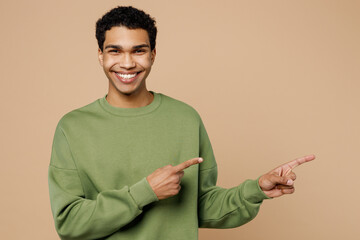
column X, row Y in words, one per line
column 276, row 179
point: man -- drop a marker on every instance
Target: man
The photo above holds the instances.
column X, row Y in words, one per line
column 137, row 164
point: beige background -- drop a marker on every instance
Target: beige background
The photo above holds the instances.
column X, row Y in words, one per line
column 272, row 80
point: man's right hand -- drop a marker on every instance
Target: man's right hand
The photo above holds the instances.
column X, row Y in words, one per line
column 165, row 181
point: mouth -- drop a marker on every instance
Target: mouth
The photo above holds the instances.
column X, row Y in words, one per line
column 126, row 77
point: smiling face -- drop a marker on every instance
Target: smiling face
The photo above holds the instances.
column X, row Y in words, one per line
column 126, row 59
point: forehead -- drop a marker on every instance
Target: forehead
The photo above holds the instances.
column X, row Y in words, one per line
column 126, row 37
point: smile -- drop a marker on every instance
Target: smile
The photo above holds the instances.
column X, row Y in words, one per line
column 126, row 78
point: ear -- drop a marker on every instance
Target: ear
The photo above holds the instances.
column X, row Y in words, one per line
column 153, row 54
column 101, row 57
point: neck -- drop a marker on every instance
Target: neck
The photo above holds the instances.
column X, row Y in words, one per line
column 130, row 101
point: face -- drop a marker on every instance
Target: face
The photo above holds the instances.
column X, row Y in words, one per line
column 126, row 59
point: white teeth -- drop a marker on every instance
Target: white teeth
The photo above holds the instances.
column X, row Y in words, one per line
column 127, row 76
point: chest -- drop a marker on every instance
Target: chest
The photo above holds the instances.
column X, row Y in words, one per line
column 122, row 152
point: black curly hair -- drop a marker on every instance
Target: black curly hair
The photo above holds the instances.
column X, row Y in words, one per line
column 129, row 17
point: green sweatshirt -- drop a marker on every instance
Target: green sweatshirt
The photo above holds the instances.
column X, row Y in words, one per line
column 101, row 156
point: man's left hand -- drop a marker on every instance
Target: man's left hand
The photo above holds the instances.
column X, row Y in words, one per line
column 280, row 180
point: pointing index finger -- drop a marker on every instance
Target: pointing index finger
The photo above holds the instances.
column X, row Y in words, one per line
column 187, row 164
column 296, row 162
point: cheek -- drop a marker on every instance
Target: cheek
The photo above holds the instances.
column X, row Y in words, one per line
column 145, row 62
column 108, row 63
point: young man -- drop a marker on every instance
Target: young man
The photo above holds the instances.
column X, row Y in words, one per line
column 137, row 164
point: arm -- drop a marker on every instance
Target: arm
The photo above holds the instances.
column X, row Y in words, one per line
column 79, row 218
column 220, row 207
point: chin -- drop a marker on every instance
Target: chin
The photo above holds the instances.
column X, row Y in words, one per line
column 129, row 92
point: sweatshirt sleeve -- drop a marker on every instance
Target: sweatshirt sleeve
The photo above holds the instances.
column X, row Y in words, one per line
column 220, row 207
column 79, row 218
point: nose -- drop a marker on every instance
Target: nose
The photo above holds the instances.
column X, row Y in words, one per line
column 127, row 61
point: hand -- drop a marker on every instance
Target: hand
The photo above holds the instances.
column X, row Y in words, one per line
column 165, row 181
column 281, row 180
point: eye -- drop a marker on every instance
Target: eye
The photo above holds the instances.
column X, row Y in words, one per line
column 139, row 51
column 113, row 51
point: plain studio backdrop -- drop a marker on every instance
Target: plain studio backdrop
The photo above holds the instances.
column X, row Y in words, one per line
column 272, row 80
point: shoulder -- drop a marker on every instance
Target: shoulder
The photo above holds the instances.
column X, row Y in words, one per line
column 177, row 107
column 77, row 116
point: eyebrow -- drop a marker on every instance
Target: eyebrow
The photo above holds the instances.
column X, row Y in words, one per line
column 120, row 47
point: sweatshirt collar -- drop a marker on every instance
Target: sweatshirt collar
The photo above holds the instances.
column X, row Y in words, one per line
column 130, row 112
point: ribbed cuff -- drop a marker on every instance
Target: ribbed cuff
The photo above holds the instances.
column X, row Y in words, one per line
column 143, row 193
column 252, row 191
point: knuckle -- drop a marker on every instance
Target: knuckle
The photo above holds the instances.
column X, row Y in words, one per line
column 174, row 179
column 164, row 167
column 169, row 168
